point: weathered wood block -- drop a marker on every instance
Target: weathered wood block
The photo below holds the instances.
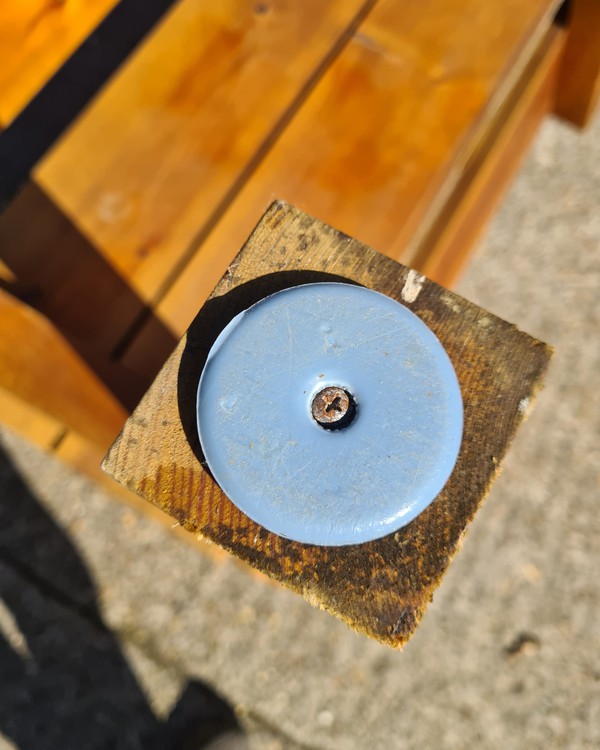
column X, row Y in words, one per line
column 380, row 588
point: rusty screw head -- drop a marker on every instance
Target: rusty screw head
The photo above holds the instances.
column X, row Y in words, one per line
column 333, row 408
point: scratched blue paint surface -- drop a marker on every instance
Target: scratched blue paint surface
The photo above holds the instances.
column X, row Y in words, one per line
column 288, row 473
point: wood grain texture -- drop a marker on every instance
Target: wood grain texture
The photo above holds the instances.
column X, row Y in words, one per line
column 53, row 266
column 579, row 81
column 383, row 587
column 20, row 416
column 36, row 37
column 150, row 162
column 445, row 247
column 384, row 137
column 86, row 457
column 40, row 368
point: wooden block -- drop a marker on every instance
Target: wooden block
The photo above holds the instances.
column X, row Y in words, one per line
column 383, row 587
column 36, row 37
column 579, row 80
column 383, row 141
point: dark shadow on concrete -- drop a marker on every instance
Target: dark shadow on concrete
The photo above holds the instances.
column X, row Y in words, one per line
column 64, row 681
column 211, row 320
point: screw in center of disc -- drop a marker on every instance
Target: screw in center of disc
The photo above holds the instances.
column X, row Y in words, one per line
column 333, row 408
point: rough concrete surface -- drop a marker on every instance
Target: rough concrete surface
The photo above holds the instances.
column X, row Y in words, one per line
column 114, row 633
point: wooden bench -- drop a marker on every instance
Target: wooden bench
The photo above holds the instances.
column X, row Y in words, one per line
column 400, row 122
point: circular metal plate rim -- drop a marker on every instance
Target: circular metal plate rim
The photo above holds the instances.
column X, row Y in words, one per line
column 371, row 534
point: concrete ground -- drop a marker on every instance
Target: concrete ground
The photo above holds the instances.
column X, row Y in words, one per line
column 115, row 634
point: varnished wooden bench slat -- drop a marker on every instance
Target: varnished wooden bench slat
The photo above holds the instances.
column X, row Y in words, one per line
column 42, row 372
column 144, row 170
column 36, row 37
column 579, row 82
column 385, row 137
column 382, row 587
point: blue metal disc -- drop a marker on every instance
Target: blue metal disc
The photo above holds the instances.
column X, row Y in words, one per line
column 284, row 470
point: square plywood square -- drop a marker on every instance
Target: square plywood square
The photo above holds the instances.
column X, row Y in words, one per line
column 382, row 587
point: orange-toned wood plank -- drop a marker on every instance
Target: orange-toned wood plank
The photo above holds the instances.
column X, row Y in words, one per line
column 151, row 162
column 579, row 82
column 86, row 457
column 56, row 265
column 445, row 249
column 20, row 416
column 36, row 37
column 7, row 276
column 39, row 367
column 385, row 133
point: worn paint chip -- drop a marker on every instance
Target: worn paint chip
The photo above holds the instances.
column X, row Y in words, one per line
column 412, row 286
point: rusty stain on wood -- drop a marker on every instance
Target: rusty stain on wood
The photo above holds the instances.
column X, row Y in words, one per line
column 380, row 588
